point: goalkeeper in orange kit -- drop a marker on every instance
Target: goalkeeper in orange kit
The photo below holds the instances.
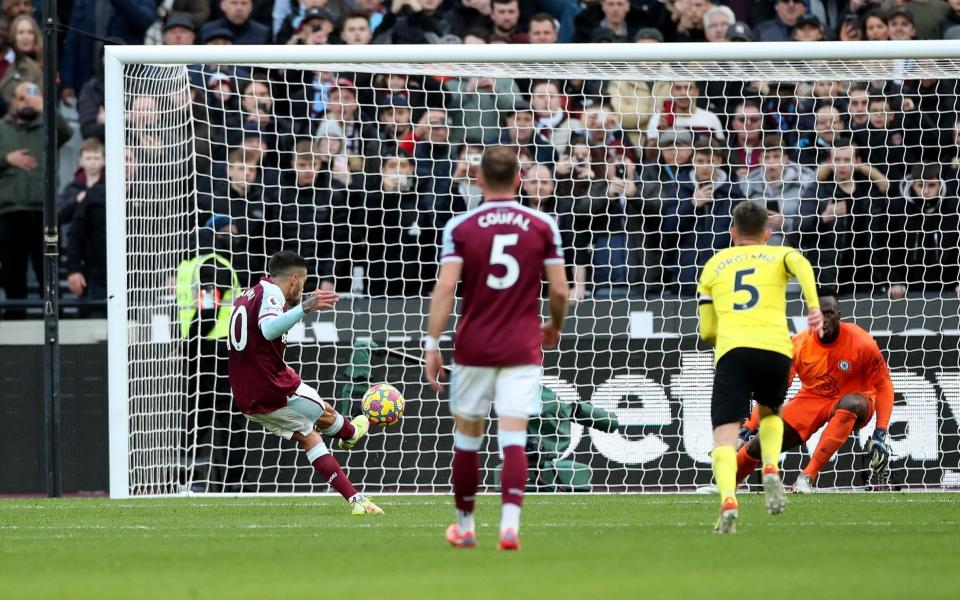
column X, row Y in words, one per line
column 845, row 380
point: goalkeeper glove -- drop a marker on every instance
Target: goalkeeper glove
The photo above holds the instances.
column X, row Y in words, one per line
column 746, row 434
column 878, row 455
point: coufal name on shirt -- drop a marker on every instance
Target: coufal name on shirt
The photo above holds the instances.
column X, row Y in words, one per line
column 504, row 218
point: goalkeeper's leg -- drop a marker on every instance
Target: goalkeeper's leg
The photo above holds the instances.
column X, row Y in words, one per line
column 851, row 412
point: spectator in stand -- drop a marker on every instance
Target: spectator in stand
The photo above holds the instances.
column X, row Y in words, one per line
column 416, row 22
column 398, row 263
column 882, row 143
column 26, row 52
column 633, row 100
column 257, row 116
column 951, row 19
column 814, row 147
column 691, row 23
column 858, row 117
column 538, row 190
column 288, row 15
column 315, row 28
column 660, row 179
column 476, row 36
column 520, row 133
column 809, row 29
column 901, row 23
column 241, row 198
column 681, row 112
column 475, row 104
column 925, row 16
column 697, row 222
column 875, row 25
column 237, row 20
column 392, row 132
column 126, row 21
column 924, row 228
column 21, row 188
column 312, row 215
column 434, row 155
column 740, row 32
column 505, row 15
column 469, row 15
column 787, row 189
column 465, row 191
column 602, row 129
column 84, row 206
column 544, row 29
column 26, row 39
column 179, row 30
column 355, row 29
column 14, row 8
column 622, row 17
column 780, row 28
column 604, row 221
column 88, row 175
column 746, row 128
column 847, row 225
column 553, row 123
column 343, row 113
column 850, row 29
column 716, row 22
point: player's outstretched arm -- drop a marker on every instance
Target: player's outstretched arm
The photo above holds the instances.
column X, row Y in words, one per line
column 557, row 280
column 273, row 327
column 441, row 303
column 798, row 265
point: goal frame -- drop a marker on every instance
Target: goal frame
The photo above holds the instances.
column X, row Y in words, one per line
column 117, row 57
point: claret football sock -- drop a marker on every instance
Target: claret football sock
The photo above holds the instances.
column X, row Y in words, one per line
column 341, row 429
column 513, row 481
column 328, row 468
column 466, row 480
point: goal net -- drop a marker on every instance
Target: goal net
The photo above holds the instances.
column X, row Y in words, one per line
column 640, row 152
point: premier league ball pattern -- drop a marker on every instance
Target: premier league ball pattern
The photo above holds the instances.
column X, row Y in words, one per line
column 383, row 404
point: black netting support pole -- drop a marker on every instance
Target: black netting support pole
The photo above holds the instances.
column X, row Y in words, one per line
column 51, row 257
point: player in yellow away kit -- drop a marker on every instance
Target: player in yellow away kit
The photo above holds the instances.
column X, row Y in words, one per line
column 743, row 314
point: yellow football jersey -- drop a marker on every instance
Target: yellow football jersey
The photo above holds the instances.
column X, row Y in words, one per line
column 747, row 286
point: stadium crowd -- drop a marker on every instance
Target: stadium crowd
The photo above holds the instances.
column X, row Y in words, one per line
column 360, row 172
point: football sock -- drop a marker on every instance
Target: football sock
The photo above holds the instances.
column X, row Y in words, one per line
column 771, row 439
column 326, row 465
column 465, row 478
column 745, row 463
column 725, row 471
column 837, row 431
column 513, row 478
column 341, row 429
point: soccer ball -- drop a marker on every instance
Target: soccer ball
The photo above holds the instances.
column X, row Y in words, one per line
column 383, row 404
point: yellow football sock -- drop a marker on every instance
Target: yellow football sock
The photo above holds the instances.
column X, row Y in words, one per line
column 771, row 439
column 725, row 471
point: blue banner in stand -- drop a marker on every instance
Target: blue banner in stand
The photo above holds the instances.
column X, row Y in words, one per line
column 660, row 391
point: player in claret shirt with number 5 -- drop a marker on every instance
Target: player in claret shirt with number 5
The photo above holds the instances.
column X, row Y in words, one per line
column 500, row 250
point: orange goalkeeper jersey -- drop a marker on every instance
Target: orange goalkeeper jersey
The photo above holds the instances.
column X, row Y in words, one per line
column 851, row 364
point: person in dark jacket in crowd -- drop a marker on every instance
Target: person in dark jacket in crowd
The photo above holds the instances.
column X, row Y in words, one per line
column 21, row 189
column 238, row 21
column 924, row 226
column 698, row 220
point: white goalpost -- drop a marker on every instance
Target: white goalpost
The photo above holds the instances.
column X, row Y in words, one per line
column 356, row 157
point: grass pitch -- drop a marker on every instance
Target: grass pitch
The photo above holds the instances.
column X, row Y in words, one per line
column 609, row 547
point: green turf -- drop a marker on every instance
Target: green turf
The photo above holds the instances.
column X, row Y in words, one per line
column 628, row 546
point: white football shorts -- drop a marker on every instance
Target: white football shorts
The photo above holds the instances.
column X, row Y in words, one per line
column 513, row 391
column 298, row 416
